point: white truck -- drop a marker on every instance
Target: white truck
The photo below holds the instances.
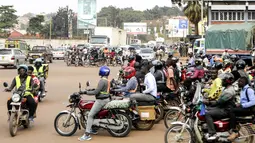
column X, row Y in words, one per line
column 108, row 36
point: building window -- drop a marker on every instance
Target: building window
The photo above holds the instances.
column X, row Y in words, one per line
column 216, row 15
column 229, row 15
column 234, row 15
column 221, row 15
column 249, row 15
column 253, row 15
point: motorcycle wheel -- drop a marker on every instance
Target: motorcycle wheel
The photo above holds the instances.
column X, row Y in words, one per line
column 175, row 136
column 56, row 124
column 127, row 126
column 68, row 63
column 144, row 125
column 159, row 113
column 173, row 115
column 13, row 126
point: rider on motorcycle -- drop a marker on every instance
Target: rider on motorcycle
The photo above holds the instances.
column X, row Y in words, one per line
column 40, row 71
column 102, row 98
column 160, row 77
column 132, row 84
column 199, row 70
column 218, row 109
column 240, row 66
column 20, row 80
column 244, row 108
column 131, row 61
column 227, row 66
column 150, row 93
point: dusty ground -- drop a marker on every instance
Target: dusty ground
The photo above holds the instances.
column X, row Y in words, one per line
column 62, row 82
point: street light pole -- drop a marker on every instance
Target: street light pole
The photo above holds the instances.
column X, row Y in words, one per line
column 50, row 27
column 202, row 18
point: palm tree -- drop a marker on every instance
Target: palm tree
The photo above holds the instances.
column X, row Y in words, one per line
column 192, row 10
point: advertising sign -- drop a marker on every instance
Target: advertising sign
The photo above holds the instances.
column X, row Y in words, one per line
column 178, row 28
column 135, row 28
column 87, row 15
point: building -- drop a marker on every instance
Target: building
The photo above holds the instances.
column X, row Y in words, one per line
column 230, row 11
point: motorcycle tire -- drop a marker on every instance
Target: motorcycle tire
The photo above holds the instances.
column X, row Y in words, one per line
column 61, row 132
column 144, row 125
column 126, row 131
column 13, row 126
column 159, row 113
column 172, row 112
column 169, row 130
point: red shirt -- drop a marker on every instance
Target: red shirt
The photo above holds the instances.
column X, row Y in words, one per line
column 132, row 63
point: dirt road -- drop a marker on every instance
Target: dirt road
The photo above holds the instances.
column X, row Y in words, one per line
column 62, row 82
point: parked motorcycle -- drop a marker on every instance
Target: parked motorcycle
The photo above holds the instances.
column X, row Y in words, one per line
column 111, row 118
column 19, row 114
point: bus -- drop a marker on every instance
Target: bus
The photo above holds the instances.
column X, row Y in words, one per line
column 22, row 45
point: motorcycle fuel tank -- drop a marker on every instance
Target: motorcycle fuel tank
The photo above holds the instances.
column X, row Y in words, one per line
column 86, row 104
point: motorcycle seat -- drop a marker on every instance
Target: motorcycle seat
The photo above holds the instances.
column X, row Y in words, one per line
column 239, row 118
column 145, row 103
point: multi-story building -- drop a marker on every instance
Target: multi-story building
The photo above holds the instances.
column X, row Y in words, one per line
column 230, row 11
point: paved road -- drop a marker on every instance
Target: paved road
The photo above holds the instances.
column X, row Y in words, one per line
column 62, row 82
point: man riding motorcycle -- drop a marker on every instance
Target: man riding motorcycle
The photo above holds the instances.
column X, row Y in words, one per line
column 131, row 61
column 23, row 80
column 160, row 77
column 218, row 109
column 132, row 84
column 199, row 70
column 40, row 71
column 102, row 98
column 240, row 66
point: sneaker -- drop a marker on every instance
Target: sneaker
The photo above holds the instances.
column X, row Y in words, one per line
column 212, row 137
column 85, row 138
column 233, row 136
column 94, row 132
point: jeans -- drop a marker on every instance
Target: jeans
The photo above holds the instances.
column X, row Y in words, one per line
column 240, row 112
column 98, row 105
column 42, row 84
column 214, row 114
column 31, row 104
column 142, row 97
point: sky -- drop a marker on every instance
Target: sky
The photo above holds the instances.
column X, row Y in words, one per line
column 47, row 6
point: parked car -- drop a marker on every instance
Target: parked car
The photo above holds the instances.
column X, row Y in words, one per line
column 147, row 54
column 43, row 52
column 11, row 57
column 58, row 53
column 137, row 48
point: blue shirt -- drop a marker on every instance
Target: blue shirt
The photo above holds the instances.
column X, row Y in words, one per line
column 243, row 98
column 131, row 85
column 151, row 85
column 191, row 61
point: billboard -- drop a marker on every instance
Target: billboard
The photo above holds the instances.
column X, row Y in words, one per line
column 87, row 15
column 178, row 28
column 135, row 28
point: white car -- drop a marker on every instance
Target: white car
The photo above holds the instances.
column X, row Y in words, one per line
column 59, row 53
column 11, row 57
column 147, row 54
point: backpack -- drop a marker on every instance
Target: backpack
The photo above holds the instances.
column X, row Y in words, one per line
column 246, row 93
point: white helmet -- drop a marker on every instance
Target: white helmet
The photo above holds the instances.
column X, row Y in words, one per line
column 39, row 60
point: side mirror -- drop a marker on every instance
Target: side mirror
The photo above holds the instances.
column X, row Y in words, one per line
column 5, row 84
column 87, row 83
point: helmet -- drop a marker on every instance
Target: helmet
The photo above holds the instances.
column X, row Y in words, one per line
column 198, row 61
column 225, row 57
column 170, row 54
column 201, row 52
column 240, row 64
column 155, row 62
column 104, row 71
column 129, row 72
column 159, row 65
column 227, row 79
column 38, row 60
column 218, row 65
column 23, row 67
column 233, row 58
column 131, row 58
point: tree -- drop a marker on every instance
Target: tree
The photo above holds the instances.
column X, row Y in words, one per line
column 192, row 10
column 7, row 17
column 111, row 13
column 35, row 25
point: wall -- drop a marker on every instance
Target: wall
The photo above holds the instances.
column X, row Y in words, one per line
column 54, row 43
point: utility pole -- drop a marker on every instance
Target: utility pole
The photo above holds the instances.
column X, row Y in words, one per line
column 202, row 18
column 50, row 27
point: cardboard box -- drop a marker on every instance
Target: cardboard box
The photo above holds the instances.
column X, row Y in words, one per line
column 147, row 112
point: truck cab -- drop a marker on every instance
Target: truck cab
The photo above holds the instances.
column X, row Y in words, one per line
column 99, row 41
column 199, row 45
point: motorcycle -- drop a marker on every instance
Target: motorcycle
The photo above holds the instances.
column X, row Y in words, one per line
column 19, row 114
column 111, row 118
column 39, row 95
column 197, row 129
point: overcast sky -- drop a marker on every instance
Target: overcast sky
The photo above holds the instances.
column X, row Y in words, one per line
column 47, row 6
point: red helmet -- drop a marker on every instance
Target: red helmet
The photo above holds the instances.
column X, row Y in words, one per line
column 129, row 72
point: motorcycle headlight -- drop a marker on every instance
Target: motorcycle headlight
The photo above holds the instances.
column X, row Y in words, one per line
column 15, row 97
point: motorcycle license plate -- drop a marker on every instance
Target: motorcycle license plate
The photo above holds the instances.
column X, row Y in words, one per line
column 35, row 57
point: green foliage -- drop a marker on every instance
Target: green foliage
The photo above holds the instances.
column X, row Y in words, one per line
column 35, row 25
column 7, row 17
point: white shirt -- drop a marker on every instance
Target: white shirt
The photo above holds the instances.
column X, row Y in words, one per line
column 151, row 85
